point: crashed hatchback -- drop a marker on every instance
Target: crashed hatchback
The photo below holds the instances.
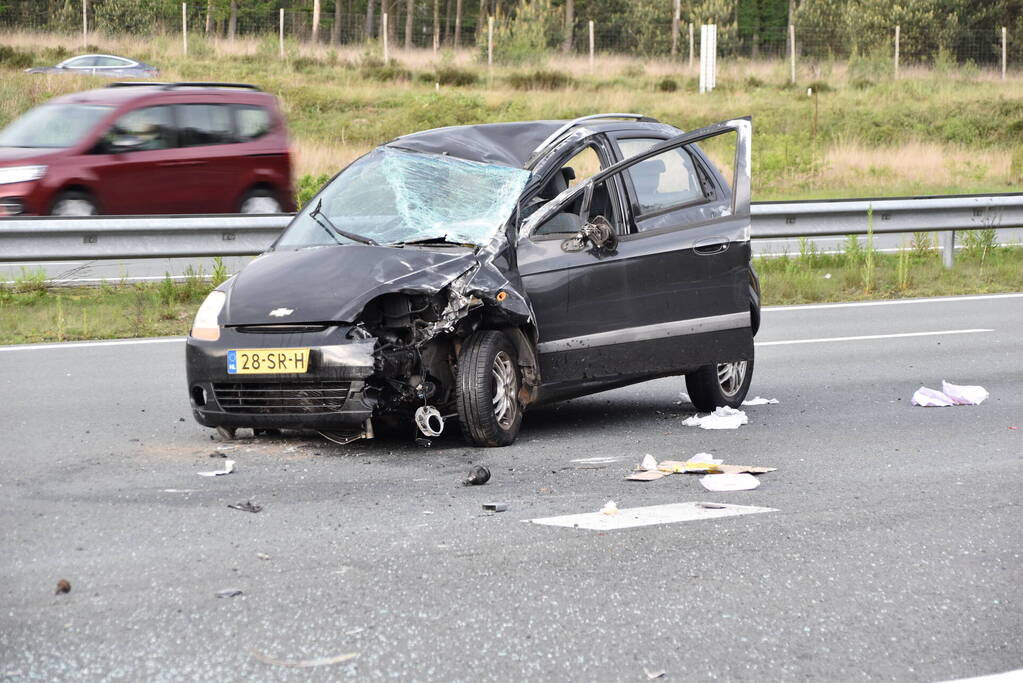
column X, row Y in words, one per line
column 477, row 271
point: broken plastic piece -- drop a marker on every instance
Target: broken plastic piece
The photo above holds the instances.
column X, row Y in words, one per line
column 609, row 508
column 729, row 482
column 63, row 586
column 305, row 663
column 495, row 507
column 478, row 476
column 247, row 506
column 757, row 401
column 429, row 421
column 228, row 469
column 648, row 464
column 722, row 418
column 950, row 395
column 345, row 438
column 651, row 675
column 228, row 593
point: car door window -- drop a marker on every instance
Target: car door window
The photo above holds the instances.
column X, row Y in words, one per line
column 153, row 125
column 204, row 124
column 667, row 180
column 112, row 62
column 253, row 122
column 80, row 63
column 576, row 170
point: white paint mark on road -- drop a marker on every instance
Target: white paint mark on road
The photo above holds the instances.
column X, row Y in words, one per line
column 894, row 302
column 627, row 518
column 868, row 337
column 79, row 345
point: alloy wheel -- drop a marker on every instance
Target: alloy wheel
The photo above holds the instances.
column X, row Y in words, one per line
column 505, row 390
column 731, row 376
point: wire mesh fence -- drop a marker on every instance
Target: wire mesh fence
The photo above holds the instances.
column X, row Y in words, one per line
column 428, row 29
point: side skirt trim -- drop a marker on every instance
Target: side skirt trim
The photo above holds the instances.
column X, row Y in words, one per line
column 677, row 328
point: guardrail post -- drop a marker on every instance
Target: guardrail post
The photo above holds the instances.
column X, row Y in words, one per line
column 948, row 247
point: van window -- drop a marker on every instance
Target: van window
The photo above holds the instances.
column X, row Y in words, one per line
column 253, row 122
column 153, row 125
column 204, row 124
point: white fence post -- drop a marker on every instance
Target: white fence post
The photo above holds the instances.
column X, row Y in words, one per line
column 591, row 44
column 676, row 19
column 85, row 23
column 280, row 32
column 897, row 51
column 383, row 34
column 490, row 41
column 316, row 21
column 792, row 53
column 691, row 39
column 708, row 56
column 1004, row 41
column 184, row 27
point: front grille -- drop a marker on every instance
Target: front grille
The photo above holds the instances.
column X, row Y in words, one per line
column 264, row 398
column 280, row 329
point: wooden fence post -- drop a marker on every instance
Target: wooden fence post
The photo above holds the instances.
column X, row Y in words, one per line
column 85, row 22
column 792, row 53
column 1004, row 45
column 591, row 44
column 691, row 39
column 490, row 42
column 184, row 27
column 383, row 34
column 316, row 21
column 280, row 31
column 676, row 18
column 897, row 51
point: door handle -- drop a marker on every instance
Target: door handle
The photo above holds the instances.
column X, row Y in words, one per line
column 710, row 249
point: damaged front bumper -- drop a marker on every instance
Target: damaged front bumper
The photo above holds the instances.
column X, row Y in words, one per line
column 331, row 394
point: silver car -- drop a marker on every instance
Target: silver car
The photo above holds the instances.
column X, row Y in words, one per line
column 100, row 65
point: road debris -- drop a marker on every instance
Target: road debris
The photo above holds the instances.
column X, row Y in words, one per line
column 609, row 508
column 495, row 507
column 228, row 469
column 228, row 593
column 729, row 482
column 757, row 401
column 63, row 586
column 305, row 663
column 218, row 454
column 646, row 475
column 603, row 460
column 262, row 556
column 648, row 464
column 429, row 421
column 711, row 506
column 478, row 476
column 651, row 675
column 950, row 395
column 748, row 469
column 701, row 463
column 247, row 506
column 683, row 397
column 723, row 417
column 628, row 518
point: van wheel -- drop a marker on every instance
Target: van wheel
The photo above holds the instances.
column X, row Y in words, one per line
column 259, row 201
column 488, row 386
column 723, row 384
column 74, row 204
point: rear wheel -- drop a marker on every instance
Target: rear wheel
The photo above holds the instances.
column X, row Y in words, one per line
column 74, row 204
column 488, row 386
column 723, row 384
column 259, row 201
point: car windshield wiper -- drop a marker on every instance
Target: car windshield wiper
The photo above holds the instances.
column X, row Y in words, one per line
column 329, row 226
column 441, row 241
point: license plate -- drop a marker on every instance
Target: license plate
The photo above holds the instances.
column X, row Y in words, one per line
column 267, row 361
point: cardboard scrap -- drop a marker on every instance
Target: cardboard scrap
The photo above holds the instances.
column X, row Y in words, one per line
column 701, row 463
column 646, row 475
column 740, row 469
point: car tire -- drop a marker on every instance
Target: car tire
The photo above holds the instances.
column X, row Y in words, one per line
column 489, row 412
column 74, row 204
column 721, row 384
column 259, row 201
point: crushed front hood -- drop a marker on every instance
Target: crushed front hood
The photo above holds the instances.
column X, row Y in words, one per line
column 333, row 284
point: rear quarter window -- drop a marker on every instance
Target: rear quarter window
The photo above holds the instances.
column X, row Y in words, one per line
column 253, row 122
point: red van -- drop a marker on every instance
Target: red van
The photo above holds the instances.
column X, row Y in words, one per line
column 148, row 148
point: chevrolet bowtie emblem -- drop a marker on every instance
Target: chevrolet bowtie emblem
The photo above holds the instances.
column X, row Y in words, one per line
column 281, row 312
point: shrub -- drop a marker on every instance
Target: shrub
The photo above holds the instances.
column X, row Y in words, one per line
column 308, row 186
column 384, row 73
column 541, row 79
column 667, row 85
column 15, row 58
column 452, row 75
column 527, row 36
column 754, row 82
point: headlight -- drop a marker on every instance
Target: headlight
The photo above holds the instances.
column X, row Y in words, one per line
column 21, row 174
column 205, row 325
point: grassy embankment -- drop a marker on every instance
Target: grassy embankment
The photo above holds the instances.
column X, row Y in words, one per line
column 935, row 131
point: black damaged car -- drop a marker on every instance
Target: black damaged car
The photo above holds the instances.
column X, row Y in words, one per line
column 476, row 271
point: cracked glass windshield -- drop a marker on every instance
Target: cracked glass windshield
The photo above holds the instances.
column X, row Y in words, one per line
column 392, row 197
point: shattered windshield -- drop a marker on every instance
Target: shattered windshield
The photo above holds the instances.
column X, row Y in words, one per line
column 391, row 196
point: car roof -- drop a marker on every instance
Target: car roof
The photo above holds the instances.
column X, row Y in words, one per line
column 507, row 144
column 97, row 54
column 117, row 96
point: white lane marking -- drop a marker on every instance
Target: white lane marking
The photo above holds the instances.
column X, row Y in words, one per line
column 628, row 518
column 824, row 340
column 79, row 345
column 895, row 302
column 1006, row 677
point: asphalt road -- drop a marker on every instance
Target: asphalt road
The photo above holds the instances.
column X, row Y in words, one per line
column 894, row 552
column 143, row 270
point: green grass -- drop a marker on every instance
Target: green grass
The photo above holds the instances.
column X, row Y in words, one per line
column 32, row 312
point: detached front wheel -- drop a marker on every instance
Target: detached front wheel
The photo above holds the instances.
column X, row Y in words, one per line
column 488, row 388
column 723, row 384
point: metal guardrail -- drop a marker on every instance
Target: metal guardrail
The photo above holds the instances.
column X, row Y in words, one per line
column 141, row 237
